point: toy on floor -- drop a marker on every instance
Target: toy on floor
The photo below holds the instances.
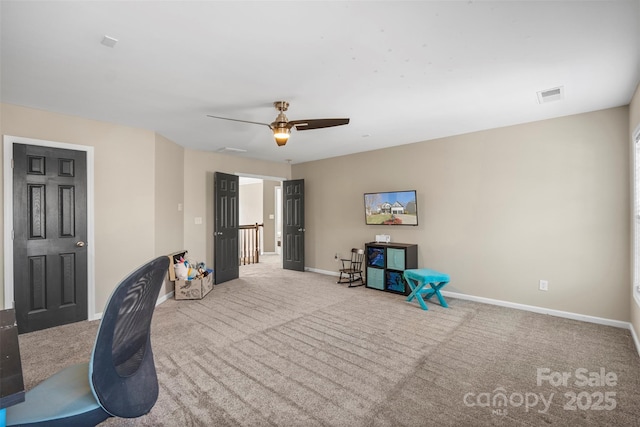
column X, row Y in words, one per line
column 184, row 271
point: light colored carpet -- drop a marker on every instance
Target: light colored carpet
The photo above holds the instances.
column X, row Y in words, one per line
column 284, row 348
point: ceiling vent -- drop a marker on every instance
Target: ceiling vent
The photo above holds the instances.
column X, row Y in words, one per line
column 232, row 150
column 109, row 41
column 550, row 95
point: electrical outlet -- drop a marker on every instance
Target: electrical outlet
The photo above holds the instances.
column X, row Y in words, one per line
column 544, row 285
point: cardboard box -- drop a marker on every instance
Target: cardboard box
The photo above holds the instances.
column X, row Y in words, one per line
column 188, row 289
column 193, row 289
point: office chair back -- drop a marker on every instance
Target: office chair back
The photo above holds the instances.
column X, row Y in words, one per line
column 120, row 379
column 122, row 372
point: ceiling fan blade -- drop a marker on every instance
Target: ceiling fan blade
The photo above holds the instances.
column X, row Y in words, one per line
column 316, row 123
column 242, row 121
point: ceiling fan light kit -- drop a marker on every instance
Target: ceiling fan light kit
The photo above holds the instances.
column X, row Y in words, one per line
column 281, row 126
column 281, row 135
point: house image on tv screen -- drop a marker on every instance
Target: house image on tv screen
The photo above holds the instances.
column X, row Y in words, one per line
column 391, row 208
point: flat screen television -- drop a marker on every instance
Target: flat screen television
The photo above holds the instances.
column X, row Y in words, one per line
column 391, row 208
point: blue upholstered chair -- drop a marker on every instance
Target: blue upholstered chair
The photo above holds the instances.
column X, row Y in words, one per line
column 120, row 379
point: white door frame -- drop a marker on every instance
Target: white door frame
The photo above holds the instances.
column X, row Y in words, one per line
column 8, row 217
column 277, row 197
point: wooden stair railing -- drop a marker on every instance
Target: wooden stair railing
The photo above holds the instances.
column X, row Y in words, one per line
column 250, row 243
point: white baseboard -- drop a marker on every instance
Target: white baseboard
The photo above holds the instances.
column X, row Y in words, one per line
column 327, row 272
column 164, row 297
column 525, row 307
column 532, row 308
column 541, row 310
column 635, row 338
column 160, row 300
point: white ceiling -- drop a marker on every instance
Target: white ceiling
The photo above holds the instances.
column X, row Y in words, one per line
column 402, row 72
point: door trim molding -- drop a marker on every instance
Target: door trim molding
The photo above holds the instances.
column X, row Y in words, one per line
column 8, row 141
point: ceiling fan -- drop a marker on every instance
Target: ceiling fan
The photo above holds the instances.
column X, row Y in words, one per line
column 281, row 126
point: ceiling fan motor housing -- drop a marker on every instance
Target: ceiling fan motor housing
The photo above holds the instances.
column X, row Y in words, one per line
column 281, row 105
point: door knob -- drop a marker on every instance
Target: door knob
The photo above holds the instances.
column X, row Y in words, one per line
column 80, row 244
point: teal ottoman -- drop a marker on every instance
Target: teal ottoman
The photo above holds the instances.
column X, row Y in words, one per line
column 421, row 277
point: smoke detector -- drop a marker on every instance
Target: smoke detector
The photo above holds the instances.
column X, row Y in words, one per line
column 550, row 95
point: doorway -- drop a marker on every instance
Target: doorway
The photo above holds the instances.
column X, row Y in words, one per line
column 84, row 247
column 259, row 205
column 290, row 206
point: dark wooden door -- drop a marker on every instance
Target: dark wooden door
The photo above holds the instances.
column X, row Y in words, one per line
column 293, row 227
column 226, row 264
column 50, row 233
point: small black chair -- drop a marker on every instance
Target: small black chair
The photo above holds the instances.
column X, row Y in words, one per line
column 120, row 378
column 351, row 271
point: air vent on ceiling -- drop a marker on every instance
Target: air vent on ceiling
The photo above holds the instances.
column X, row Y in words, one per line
column 109, row 41
column 550, row 95
column 231, row 150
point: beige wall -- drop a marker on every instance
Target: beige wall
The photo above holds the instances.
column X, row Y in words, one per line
column 634, row 124
column 256, row 204
column 169, row 202
column 140, row 178
column 498, row 210
column 199, row 168
column 251, row 203
column 269, row 229
column 124, row 186
column 2, row 132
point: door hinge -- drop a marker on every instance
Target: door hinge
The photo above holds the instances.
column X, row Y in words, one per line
column 11, row 163
column 13, row 234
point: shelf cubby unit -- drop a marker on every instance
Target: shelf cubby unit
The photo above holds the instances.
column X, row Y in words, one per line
column 386, row 263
